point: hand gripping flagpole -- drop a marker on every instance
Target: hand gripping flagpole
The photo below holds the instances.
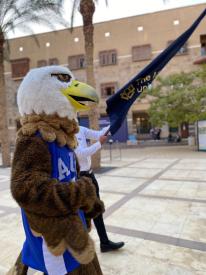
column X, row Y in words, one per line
column 107, row 132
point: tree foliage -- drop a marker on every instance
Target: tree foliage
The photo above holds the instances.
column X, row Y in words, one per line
column 179, row 98
column 21, row 13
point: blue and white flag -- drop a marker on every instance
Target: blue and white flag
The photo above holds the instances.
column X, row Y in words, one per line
column 118, row 104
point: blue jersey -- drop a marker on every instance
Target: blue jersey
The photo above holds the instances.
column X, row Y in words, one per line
column 35, row 253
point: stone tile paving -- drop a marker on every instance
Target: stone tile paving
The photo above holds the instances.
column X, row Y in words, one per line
column 156, row 203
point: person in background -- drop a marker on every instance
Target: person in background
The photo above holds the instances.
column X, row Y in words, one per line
column 158, row 133
column 152, row 133
column 84, row 153
column 177, row 138
column 170, row 138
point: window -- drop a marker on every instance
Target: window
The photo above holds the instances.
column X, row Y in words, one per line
column 183, row 50
column 141, row 122
column 108, row 89
column 53, row 61
column 76, row 62
column 11, row 122
column 108, row 57
column 19, row 67
column 140, row 53
column 203, row 44
column 41, row 63
column 173, row 129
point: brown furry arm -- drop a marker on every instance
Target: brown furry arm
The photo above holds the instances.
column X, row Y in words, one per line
column 34, row 189
column 97, row 209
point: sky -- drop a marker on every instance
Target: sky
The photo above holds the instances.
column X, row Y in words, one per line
column 117, row 9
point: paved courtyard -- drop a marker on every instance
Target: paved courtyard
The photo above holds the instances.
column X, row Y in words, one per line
column 156, row 202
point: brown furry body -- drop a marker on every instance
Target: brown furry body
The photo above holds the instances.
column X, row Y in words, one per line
column 51, row 207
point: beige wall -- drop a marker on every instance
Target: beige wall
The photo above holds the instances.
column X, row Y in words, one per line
column 158, row 30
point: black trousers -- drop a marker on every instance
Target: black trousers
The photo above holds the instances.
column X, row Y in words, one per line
column 98, row 221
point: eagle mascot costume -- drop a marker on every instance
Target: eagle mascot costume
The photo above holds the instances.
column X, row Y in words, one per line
column 56, row 204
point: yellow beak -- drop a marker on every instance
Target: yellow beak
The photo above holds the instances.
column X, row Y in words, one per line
column 80, row 92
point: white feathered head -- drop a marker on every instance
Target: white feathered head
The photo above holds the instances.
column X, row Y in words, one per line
column 51, row 90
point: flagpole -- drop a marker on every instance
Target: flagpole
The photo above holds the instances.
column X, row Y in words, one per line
column 107, row 132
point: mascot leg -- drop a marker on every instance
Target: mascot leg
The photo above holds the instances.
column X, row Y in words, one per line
column 19, row 268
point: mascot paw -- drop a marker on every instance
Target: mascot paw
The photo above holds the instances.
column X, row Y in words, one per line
column 86, row 255
column 59, row 249
column 98, row 208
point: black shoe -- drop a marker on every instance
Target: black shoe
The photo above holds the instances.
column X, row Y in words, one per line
column 110, row 246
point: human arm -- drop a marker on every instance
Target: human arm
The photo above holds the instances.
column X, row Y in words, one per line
column 93, row 134
column 83, row 152
column 88, row 151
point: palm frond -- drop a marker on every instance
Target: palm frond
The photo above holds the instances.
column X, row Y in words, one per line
column 5, row 7
column 46, row 19
column 106, row 2
column 17, row 12
column 75, row 6
column 28, row 29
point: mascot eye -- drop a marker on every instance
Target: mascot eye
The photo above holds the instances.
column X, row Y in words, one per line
column 62, row 77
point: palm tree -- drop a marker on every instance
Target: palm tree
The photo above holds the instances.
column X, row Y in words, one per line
column 87, row 9
column 19, row 14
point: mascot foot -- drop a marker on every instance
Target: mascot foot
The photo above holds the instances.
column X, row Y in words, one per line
column 19, row 268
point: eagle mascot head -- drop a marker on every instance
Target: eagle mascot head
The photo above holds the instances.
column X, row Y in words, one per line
column 53, row 90
column 49, row 99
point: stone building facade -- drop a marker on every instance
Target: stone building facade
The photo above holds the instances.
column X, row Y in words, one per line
column 122, row 47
